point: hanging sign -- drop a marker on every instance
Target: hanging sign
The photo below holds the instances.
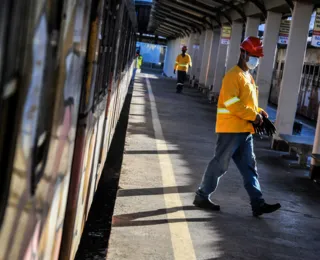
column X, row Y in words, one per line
column 284, row 32
column 225, row 35
column 315, row 41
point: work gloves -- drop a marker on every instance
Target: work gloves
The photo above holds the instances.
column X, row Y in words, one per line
column 266, row 128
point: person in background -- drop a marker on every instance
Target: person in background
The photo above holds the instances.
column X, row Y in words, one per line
column 139, row 60
column 237, row 112
column 183, row 62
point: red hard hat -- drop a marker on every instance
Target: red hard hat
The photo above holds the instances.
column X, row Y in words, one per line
column 184, row 48
column 253, row 46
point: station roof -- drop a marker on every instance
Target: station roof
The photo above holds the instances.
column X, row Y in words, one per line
column 179, row 18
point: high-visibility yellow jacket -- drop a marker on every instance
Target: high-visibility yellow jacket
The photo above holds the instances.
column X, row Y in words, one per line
column 182, row 63
column 139, row 61
column 238, row 102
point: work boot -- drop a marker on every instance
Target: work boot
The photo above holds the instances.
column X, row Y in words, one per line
column 265, row 208
column 205, row 203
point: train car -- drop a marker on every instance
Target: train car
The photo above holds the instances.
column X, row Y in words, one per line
column 309, row 93
column 65, row 67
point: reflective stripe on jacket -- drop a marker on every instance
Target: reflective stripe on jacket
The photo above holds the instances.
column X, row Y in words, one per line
column 182, row 63
column 238, row 102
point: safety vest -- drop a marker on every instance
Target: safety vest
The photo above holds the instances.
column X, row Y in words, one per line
column 238, row 102
column 139, row 61
column 182, row 63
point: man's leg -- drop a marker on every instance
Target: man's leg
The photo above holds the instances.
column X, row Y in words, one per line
column 179, row 81
column 225, row 147
column 183, row 79
column 245, row 160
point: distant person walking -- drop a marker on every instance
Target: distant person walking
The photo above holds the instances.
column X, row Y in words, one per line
column 139, row 60
column 183, row 62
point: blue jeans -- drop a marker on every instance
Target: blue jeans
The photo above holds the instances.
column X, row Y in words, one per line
column 239, row 147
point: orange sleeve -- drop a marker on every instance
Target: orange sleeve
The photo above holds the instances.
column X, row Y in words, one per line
column 177, row 63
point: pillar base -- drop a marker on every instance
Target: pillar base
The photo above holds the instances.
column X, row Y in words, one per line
column 280, row 145
column 315, row 172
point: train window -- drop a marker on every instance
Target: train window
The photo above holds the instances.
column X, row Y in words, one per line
column 311, row 69
column 307, row 69
column 122, row 45
column 107, row 43
column 282, row 66
column 316, row 70
column 104, row 14
column 125, row 53
column 111, row 43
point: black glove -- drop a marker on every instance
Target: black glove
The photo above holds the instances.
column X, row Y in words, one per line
column 267, row 127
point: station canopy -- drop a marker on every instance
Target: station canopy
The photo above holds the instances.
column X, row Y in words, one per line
column 180, row 18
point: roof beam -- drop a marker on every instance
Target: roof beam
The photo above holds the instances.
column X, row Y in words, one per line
column 181, row 14
column 178, row 22
column 164, row 28
column 203, row 10
column 174, row 27
column 232, row 6
column 198, row 7
column 210, row 9
column 163, row 32
column 180, row 17
column 169, row 33
column 290, row 3
column 261, row 7
column 163, row 19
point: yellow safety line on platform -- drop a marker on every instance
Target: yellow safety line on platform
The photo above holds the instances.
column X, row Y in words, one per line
column 179, row 231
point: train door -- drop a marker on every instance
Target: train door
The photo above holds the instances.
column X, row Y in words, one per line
column 87, row 133
column 73, row 50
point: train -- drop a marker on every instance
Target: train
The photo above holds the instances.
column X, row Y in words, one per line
column 65, row 70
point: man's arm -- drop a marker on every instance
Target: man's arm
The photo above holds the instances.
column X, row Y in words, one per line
column 231, row 92
column 177, row 63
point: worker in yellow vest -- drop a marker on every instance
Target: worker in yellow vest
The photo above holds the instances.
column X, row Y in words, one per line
column 139, row 60
column 183, row 62
column 237, row 111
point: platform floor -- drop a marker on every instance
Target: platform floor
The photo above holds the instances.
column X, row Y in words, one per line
column 170, row 139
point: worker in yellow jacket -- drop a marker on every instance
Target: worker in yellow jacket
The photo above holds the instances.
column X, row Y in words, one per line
column 237, row 110
column 183, row 62
column 139, row 60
